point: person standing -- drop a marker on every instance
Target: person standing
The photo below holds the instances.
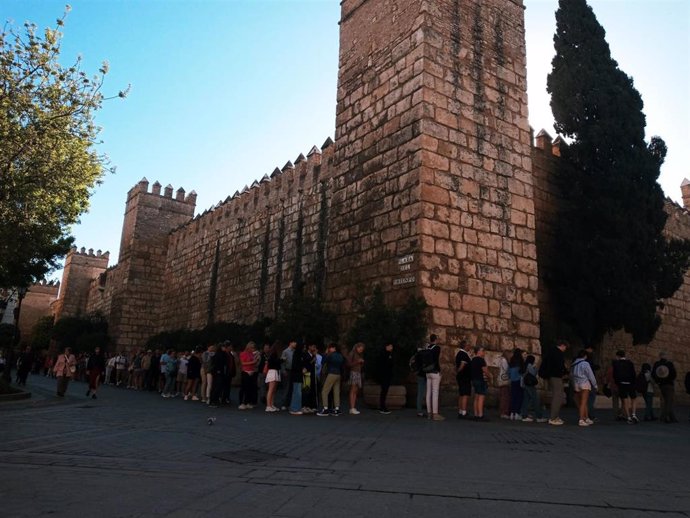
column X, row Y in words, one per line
column 24, row 364
column 504, row 385
column 171, row 365
column 624, row 377
column 646, row 388
column 664, row 375
column 207, row 373
column 286, row 358
column 463, row 377
column 64, row 369
column 433, row 380
column 262, row 370
column 583, row 383
column 121, row 365
column 589, row 349
column 356, row 363
column 385, row 367
column 416, row 366
column 516, row 369
column 219, row 373
column 333, row 365
column 193, row 375
column 553, row 369
column 273, row 363
column 531, row 395
column 480, row 377
column 94, row 368
column 297, row 372
column 248, row 387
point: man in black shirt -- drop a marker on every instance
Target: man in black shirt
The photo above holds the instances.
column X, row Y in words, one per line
column 385, row 376
column 463, row 378
column 553, row 369
column 624, row 377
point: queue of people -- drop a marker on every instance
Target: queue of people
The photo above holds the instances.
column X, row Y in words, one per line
column 301, row 380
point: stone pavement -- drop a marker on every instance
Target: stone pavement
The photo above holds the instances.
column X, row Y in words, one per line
column 131, row 454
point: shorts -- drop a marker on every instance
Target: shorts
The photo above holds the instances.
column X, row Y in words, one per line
column 480, row 387
column 464, row 387
column 356, row 379
column 272, row 375
column 626, row 391
column 583, row 385
column 181, row 377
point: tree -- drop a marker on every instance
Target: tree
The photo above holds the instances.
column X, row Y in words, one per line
column 48, row 158
column 613, row 265
column 378, row 324
column 304, row 318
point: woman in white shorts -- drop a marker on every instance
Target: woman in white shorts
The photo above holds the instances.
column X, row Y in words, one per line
column 583, row 383
column 272, row 369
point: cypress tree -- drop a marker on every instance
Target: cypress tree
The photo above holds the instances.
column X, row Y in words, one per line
column 613, row 263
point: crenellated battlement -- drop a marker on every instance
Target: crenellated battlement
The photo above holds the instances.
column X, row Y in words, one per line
column 272, row 190
column 142, row 187
column 88, row 253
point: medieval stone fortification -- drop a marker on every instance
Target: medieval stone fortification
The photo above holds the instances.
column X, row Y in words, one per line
column 432, row 187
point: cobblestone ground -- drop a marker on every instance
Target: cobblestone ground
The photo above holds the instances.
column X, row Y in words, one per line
column 131, row 454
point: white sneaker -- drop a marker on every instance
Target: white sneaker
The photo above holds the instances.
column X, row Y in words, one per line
column 186, row 398
column 242, row 407
column 354, row 411
column 194, row 398
column 582, row 422
column 589, row 421
column 556, row 422
column 527, row 419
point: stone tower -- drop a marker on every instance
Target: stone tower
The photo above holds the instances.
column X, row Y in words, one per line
column 149, row 219
column 80, row 267
column 433, row 189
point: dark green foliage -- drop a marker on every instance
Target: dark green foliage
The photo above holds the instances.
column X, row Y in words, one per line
column 7, row 335
column 189, row 339
column 82, row 334
column 378, row 324
column 42, row 333
column 613, row 264
column 304, row 318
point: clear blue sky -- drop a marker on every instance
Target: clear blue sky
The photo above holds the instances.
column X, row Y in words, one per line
column 225, row 91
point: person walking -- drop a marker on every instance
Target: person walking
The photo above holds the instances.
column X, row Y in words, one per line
column 24, row 365
column 463, row 377
column 385, row 367
column 553, row 369
column 433, row 380
column 356, row 364
column 664, row 375
column 333, row 366
column 583, row 383
column 64, row 369
column 94, row 368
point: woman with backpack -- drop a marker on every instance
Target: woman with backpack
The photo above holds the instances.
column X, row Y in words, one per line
column 531, row 396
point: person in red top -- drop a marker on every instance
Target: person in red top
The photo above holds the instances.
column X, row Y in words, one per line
column 249, row 377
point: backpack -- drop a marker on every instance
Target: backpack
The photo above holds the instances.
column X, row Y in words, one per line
column 426, row 357
column 641, row 384
column 661, row 371
column 530, row 380
column 414, row 363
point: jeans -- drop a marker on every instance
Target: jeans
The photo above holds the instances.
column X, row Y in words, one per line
column 590, row 403
column 421, row 393
column 516, row 397
column 285, row 376
column 296, row 401
column 557, row 396
column 169, row 383
column 433, row 384
column 531, row 399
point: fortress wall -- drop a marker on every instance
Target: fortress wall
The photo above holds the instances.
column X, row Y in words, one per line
column 238, row 261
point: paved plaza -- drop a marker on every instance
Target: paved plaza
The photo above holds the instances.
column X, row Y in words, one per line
column 131, row 454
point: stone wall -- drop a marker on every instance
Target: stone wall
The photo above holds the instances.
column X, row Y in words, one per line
column 37, row 304
column 239, row 260
column 80, row 268
column 674, row 334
